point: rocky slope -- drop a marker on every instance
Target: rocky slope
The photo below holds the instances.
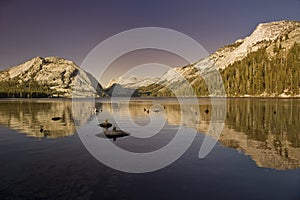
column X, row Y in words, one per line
column 62, row 77
column 265, row 34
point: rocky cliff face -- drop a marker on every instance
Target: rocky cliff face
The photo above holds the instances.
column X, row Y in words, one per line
column 62, row 76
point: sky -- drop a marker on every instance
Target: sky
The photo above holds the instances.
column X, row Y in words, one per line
column 71, row 29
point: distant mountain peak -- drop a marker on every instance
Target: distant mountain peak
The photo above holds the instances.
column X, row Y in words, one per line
column 133, row 81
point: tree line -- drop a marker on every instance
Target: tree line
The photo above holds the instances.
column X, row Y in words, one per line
column 258, row 74
column 13, row 88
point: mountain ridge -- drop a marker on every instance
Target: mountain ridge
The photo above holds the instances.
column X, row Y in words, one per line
column 60, row 77
column 277, row 38
column 265, row 63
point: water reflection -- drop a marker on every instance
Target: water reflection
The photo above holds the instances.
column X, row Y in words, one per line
column 38, row 118
column 265, row 129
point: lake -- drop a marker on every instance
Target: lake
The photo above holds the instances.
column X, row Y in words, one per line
column 43, row 153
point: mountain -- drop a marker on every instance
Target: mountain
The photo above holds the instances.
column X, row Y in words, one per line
column 265, row 35
column 117, row 90
column 266, row 63
column 46, row 77
column 133, row 82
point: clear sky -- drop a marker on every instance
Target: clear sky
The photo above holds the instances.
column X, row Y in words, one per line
column 70, row 29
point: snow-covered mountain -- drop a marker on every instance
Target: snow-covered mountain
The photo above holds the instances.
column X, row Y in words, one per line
column 62, row 76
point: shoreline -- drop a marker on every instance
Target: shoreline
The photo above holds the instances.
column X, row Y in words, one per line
column 143, row 98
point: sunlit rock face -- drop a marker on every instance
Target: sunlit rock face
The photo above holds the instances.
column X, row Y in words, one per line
column 264, row 35
column 63, row 77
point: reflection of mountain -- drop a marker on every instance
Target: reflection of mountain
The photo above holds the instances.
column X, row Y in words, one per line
column 34, row 118
column 265, row 129
column 272, row 153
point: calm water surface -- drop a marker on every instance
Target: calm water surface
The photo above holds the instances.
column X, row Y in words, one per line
column 257, row 155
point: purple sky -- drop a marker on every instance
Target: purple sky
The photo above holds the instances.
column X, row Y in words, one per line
column 70, row 29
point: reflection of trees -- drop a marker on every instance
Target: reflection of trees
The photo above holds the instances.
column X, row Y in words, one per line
column 251, row 126
column 258, row 118
column 255, row 117
column 265, row 129
column 32, row 116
